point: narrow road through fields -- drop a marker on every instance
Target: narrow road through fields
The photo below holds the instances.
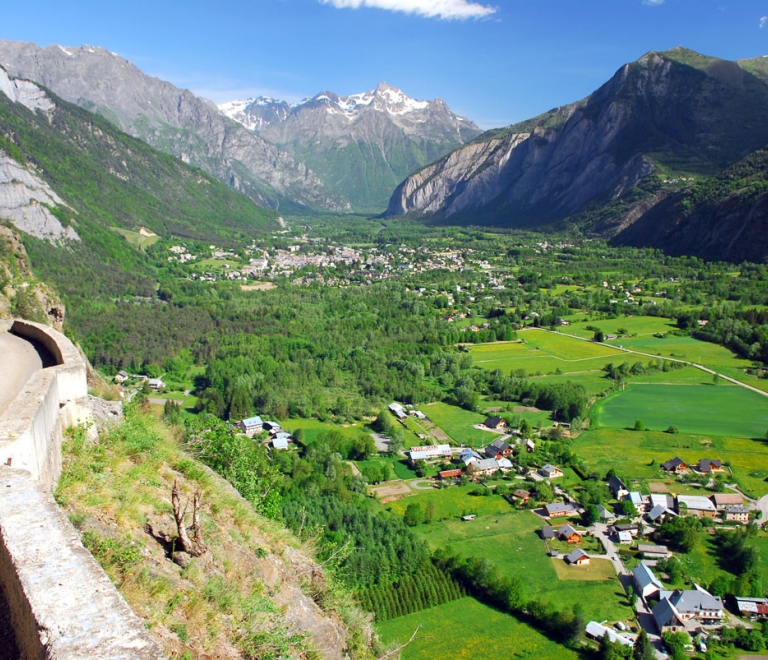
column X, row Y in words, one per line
column 656, row 357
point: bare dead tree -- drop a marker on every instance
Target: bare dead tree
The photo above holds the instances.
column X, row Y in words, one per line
column 195, row 545
column 402, row 646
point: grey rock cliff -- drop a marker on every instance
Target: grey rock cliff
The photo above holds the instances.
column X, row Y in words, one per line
column 170, row 119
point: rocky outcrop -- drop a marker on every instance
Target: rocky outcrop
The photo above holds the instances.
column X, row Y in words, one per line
column 170, row 119
column 678, row 108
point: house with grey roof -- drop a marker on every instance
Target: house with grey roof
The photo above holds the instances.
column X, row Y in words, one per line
column 568, row 533
column 251, row 426
column 667, row 618
column 646, row 583
column 617, row 487
column 486, row 466
column 736, row 514
column 577, row 558
column 691, row 607
column 696, row 505
column 606, row 515
column 558, row 510
column 498, row 449
column 550, row 472
column 597, row 630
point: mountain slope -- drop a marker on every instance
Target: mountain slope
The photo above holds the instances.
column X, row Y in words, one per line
column 70, row 179
column 363, row 144
column 725, row 217
column 675, row 110
column 170, row 119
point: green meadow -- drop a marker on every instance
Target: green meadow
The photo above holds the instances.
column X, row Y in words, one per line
column 458, row 424
column 638, row 454
column 726, row 410
column 454, row 502
column 465, row 629
column 511, row 542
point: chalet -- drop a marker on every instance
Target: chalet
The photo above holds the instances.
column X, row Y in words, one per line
column 569, row 534
column 156, row 384
column 121, row 376
column 606, row 515
column 577, row 558
column 653, row 551
column 696, row 605
column 617, row 487
column 429, row 453
column 736, row 514
column 752, row 607
column 708, row 466
column 646, row 583
column 521, row 496
column 696, row 505
column 722, row 500
column 495, row 424
column 550, row 472
column 598, row 631
column 530, row 446
column 449, row 474
column 559, row 510
column 251, row 426
column 658, row 514
column 676, row 466
column 498, row 449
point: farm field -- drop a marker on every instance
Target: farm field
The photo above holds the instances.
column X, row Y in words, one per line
column 638, row 454
column 454, row 502
column 313, row 428
column 514, row 546
column 467, row 629
column 458, row 424
column 597, row 570
column 699, row 409
column 633, row 325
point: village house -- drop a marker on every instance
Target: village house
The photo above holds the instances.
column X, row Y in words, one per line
column 495, row 424
column 397, row 410
column 548, row 532
column 272, row 427
column 598, row 631
column 695, row 606
column 722, row 500
column 632, row 529
column 569, row 535
column 417, row 414
column 606, row 515
column 251, row 426
column 522, row 496
column 156, row 384
column 121, row 376
column 676, row 466
column 646, row 583
column 280, row 441
column 695, row 505
column 449, row 474
column 736, row 514
column 429, row 453
column 665, row 500
column 484, row 467
column 469, row 457
column 530, row 446
column 617, row 487
column 623, row 536
column 550, row 472
column 709, row 465
column 498, row 449
column 653, row 551
column 559, row 510
column 577, row 558
column 638, row 501
column 659, row 514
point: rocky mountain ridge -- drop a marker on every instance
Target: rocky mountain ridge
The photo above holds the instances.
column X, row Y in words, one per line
column 667, row 113
column 170, row 119
column 361, row 144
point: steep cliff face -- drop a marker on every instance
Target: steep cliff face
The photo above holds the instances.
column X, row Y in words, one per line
column 362, row 144
column 678, row 109
column 170, row 119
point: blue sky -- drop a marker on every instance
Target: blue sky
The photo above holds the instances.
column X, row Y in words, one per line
column 495, row 62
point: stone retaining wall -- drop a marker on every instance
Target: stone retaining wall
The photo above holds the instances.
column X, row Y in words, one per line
column 62, row 603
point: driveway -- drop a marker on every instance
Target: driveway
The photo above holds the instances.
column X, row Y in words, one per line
column 20, row 360
column 611, row 551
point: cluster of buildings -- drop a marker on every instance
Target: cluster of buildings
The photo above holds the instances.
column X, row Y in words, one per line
column 278, row 438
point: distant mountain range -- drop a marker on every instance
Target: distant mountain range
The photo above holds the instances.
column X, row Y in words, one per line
column 605, row 162
column 363, row 144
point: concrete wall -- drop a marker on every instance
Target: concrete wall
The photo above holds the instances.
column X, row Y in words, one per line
column 62, row 604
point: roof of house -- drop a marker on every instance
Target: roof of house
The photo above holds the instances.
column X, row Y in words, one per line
column 694, row 600
column 645, row 547
column 577, row 554
column 252, row 421
column 556, row 507
column 635, row 497
column 280, row 443
column 504, row 463
column 605, row 514
column 698, row 502
column 724, row 499
column 736, row 509
column 672, row 463
column 656, row 512
column 450, row 473
column 625, row 535
column 492, row 422
column 663, row 499
column 616, row 484
column 468, row 452
column 644, row 577
column 598, row 631
column 547, row 532
column 706, row 464
column 664, row 613
column 487, row 464
column 566, row 531
column 550, row 469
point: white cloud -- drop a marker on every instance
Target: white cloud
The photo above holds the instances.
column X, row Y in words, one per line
column 445, row 9
column 763, row 20
column 653, row 3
